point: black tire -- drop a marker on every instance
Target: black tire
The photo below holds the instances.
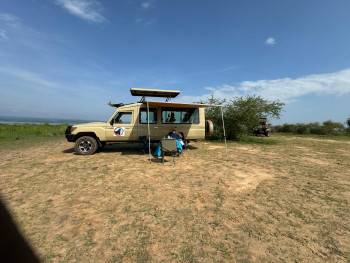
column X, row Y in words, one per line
column 86, row 145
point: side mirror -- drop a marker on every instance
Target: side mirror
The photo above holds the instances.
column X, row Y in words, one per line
column 111, row 122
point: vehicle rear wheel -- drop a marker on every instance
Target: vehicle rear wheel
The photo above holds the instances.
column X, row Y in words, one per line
column 86, row 145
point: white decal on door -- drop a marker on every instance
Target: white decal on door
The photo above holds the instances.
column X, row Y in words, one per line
column 119, row 131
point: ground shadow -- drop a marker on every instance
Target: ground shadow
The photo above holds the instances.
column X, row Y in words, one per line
column 123, row 148
column 14, row 246
column 126, row 148
column 168, row 158
column 70, row 150
column 191, row 147
column 156, row 160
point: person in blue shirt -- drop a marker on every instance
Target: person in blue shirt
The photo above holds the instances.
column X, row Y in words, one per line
column 178, row 137
column 179, row 143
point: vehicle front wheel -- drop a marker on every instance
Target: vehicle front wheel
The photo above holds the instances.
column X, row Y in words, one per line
column 86, row 145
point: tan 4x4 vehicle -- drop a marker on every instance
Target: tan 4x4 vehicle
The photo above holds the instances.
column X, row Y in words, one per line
column 137, row 122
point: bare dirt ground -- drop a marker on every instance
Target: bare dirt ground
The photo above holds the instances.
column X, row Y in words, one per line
column 283, row 202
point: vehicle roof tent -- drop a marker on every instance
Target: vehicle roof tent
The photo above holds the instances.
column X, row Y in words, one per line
column 179, row 105
column 143, row 92
column 154, row 93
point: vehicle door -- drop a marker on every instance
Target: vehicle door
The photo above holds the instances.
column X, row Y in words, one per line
column 122, row 127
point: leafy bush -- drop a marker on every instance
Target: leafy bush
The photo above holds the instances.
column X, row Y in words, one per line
column 287, row 128
column 241, row 114
column 302, row 129
column 333, row 127
column 316, row 128
column 326, row 128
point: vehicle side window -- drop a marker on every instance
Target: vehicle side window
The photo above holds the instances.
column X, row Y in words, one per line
column 174, row 115
column 152, row 116
column 123, row 118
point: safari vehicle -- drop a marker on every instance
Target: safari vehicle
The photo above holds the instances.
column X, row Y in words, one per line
column 142, row 121
column 263, row 128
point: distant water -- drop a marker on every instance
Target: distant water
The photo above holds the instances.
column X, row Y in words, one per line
column 30, row 120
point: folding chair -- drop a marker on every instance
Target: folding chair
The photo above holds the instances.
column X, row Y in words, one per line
column 168, row 146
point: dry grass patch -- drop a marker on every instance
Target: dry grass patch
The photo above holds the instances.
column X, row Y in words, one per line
column 253, row 203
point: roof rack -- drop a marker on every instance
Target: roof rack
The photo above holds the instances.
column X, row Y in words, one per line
column 154, row 93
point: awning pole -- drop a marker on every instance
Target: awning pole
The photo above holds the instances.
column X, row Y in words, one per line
column 149, row 135
column 223, row 127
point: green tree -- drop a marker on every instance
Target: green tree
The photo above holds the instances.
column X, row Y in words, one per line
column 242, row 114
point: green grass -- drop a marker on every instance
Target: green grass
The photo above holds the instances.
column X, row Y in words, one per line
column 13, row 132
column 13, row 135
column 257, row 140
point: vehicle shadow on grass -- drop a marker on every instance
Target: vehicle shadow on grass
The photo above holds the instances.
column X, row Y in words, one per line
column 69, row 150
column 191, row 147
column 167, row 159
column 124, row 149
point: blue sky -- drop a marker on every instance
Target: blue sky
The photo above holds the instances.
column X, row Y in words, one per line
column 68, row 58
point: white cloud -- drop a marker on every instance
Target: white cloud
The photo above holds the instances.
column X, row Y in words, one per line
column 9, row 18
column 284, row 89
column 145, row 22
column 3, row 34
column 28, row 76
column 146, row 5
column 270, row 41
column 21, row 35
column 89, row 10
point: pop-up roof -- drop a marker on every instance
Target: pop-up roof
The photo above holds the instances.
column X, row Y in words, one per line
column 160, row 93
column 154, row 93
column 178, row 105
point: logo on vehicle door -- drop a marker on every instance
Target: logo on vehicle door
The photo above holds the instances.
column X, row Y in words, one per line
column 119, row 131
